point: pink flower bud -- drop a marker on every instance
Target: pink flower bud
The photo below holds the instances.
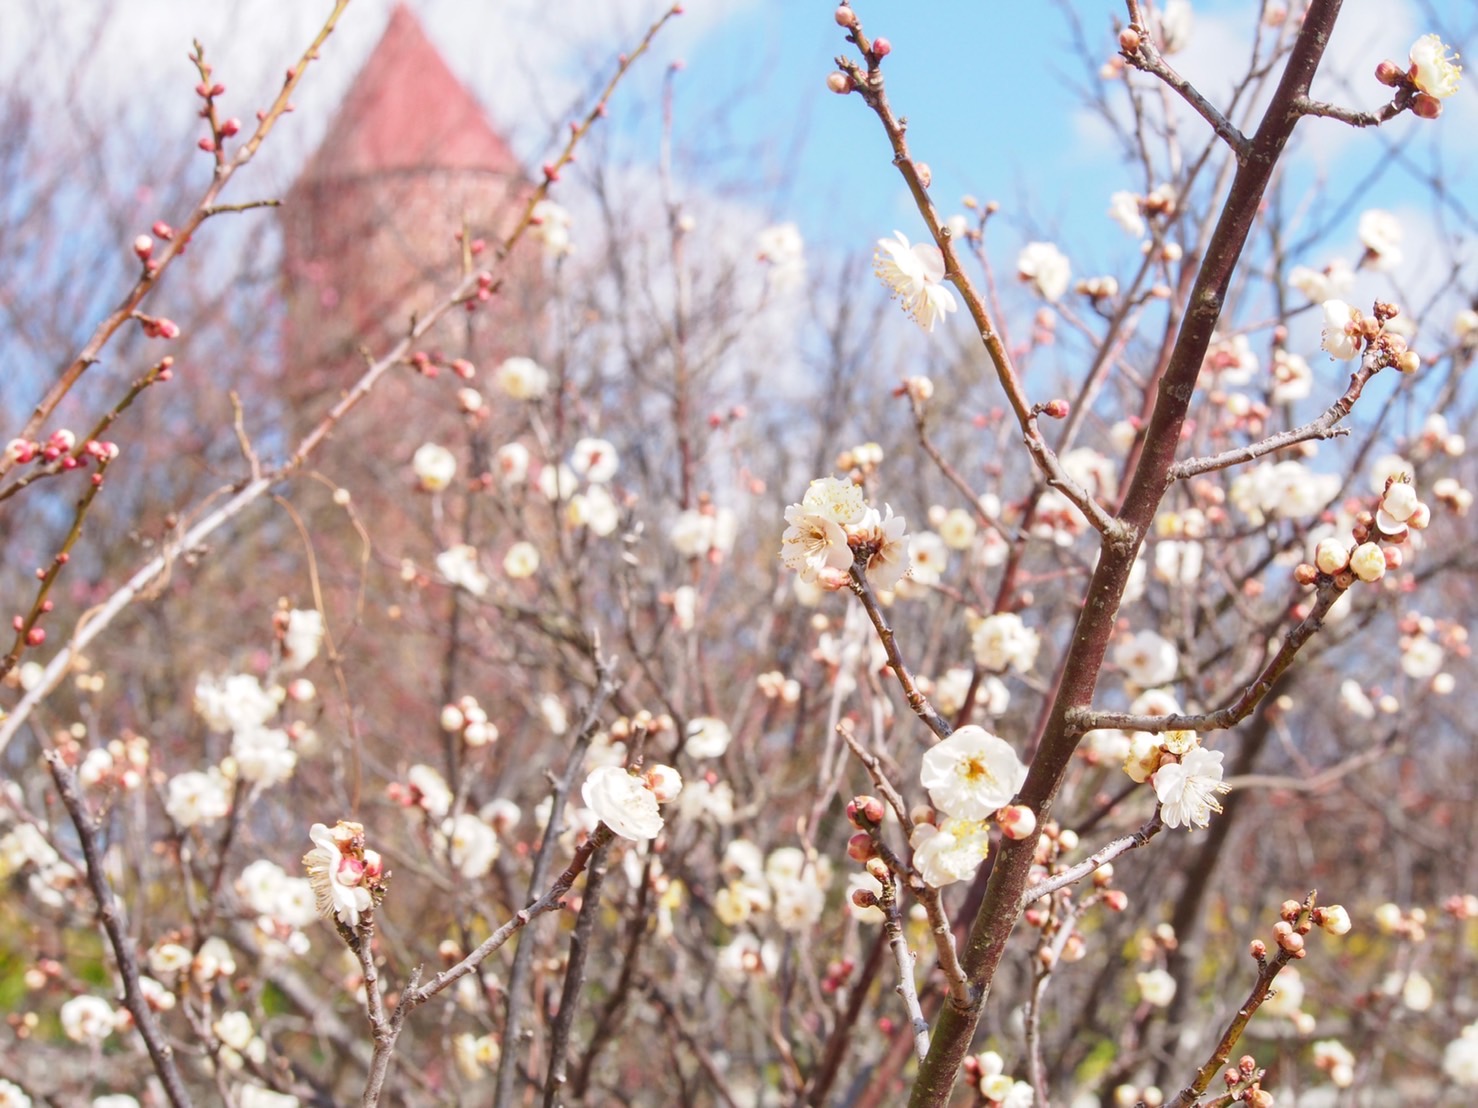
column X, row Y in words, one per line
column 865, row 811
column 881, row 47
column 1390, row 74
column 202, row 90
column 143, row 246
column 1129, row 40
column 1116, row 900
column 1017, row 821
column 230, row 127
column 207, row 144
column 374, row 865
column 1056, row 409
column 839, row 83
column 1420, row 517
column 1425, row 107
column 846, row 17
column 1394, row 557
column 35, row 636
column 864, row 898
column 860, row 848
column 350, row 871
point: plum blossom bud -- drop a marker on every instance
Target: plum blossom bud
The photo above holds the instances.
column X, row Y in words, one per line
column 1409, row 361
column 1258, row 949
column 926, row 175
column 860, row 847
column 839, row 83
column 664, row 782
column 1056, row 409
column 846, row 17
column 1331, row 556
column 864, row 812
column 864, row 898
column 881, row 47
column 143, row 246
column 1129, row 40
column 1334, row 919
column 1390, row 74
column 1017, row 821
column 1115, row 900
column 1368, row 562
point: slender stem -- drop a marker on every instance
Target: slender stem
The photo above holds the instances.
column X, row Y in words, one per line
column 114, row 918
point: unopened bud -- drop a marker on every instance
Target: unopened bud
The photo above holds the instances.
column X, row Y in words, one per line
column 926, row 175
column 1425, row 106
column 864, row 898
column 1306, row 574
column 1390, row 74
column 839, row 83
column 1409, row 361
column 1334, row 919
column 1056, row 409
column 1129, row 40
column 860, row 848
column 881, row 47
column 1017, row 821
column 1116, row 900
column 846, row 17
column 143, row 246
column 865, row 811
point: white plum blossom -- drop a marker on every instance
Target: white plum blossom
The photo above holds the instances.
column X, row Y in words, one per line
column 522, row 378
column 471, row 845
column 1147, row 659
column 234, row 703
column 595, row 460
column 950, row 852
column 798, row 904
column 971, row 774
column 301, row 638
column 1380, row 232
column 783, row 248
column 255, row 1096
column 1046, row 268
column 696, row 533
column 459, row 565
column 913, row 275
column 558, row 482
column 550, row 224
column 927, row 557
column 1433, row 69
column 434, row 466
column 1177, row 20
column 957, row 529
column 882, row 535
column 707, row 737
column 263, row 755
column 429, row 790
column 1178, row 562
column 1460, row 1058
column 1188, row 789
column 1282, row 490
column 1338, row 337
column 512, row 463
column 1421, row 658
column 1333, row 282
column 196, row 797
column 1002, row 641
column 87, row 1019
column 815, row 539
column 1293, row 379
column 623, row 803
column 1156, row 987
column 335, row 876
column 1124, row 210
column 745, row 957
column 521, row 561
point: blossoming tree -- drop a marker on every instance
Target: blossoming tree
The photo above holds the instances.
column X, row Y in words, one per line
column 577, row 768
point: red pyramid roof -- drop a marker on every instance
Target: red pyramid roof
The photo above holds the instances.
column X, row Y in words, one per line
column 407, row 111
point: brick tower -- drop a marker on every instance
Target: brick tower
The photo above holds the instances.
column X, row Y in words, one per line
column 369, row 227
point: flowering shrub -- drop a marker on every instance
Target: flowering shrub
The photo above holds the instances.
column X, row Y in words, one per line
column 503, row 678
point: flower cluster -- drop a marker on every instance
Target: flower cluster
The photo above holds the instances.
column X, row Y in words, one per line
column 347, row 879
column 1348, row 331
column 833, row 528
column 627, row 802
column 1378, row 536
column 1185, row 775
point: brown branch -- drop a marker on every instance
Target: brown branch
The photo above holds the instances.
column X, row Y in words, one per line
column 1081, row 720
column 918, row 703
column 1106, row 853
column 1148, row 59
column 1324, row 427
column 114, row 918
column 1319, row 109
column 999, row 908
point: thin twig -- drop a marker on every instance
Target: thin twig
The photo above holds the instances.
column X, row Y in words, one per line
column 114, row 918
column 1095, row 861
